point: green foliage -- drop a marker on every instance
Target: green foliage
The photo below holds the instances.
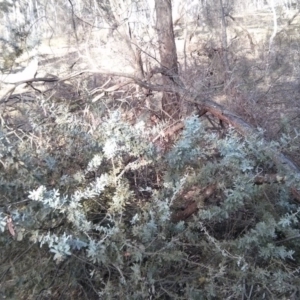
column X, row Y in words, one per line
column 94, row 205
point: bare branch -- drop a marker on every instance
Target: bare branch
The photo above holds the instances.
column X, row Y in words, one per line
column 204, row 105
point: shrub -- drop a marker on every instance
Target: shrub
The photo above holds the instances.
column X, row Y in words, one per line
column 94, row 206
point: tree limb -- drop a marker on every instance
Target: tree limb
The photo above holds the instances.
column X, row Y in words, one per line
column 205, row 105
column 215, row 109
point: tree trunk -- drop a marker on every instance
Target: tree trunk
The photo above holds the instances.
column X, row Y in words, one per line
column 168, row 56
column 120, row 11
column 224, row 43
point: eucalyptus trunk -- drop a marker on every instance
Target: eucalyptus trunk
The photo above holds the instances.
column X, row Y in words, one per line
column 168, row 56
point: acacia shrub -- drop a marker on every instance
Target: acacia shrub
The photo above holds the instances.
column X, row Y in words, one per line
column 95, row 204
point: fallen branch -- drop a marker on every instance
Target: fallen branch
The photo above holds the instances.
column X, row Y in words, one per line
column 204, row 105
column 193, row 206
column 12, row 86
column 269, row 178
column 210, row 106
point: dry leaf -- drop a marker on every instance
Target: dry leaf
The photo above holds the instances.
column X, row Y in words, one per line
column 10, row 226
column 98, row 97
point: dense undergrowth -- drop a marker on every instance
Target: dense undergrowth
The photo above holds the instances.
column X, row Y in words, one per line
column 97, row 204
column 88, row 206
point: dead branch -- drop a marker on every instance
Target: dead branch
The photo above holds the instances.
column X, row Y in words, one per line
column 204, row 105
column 295, row 193
column 12, row 86
column 193, row 205
column 269, row 178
